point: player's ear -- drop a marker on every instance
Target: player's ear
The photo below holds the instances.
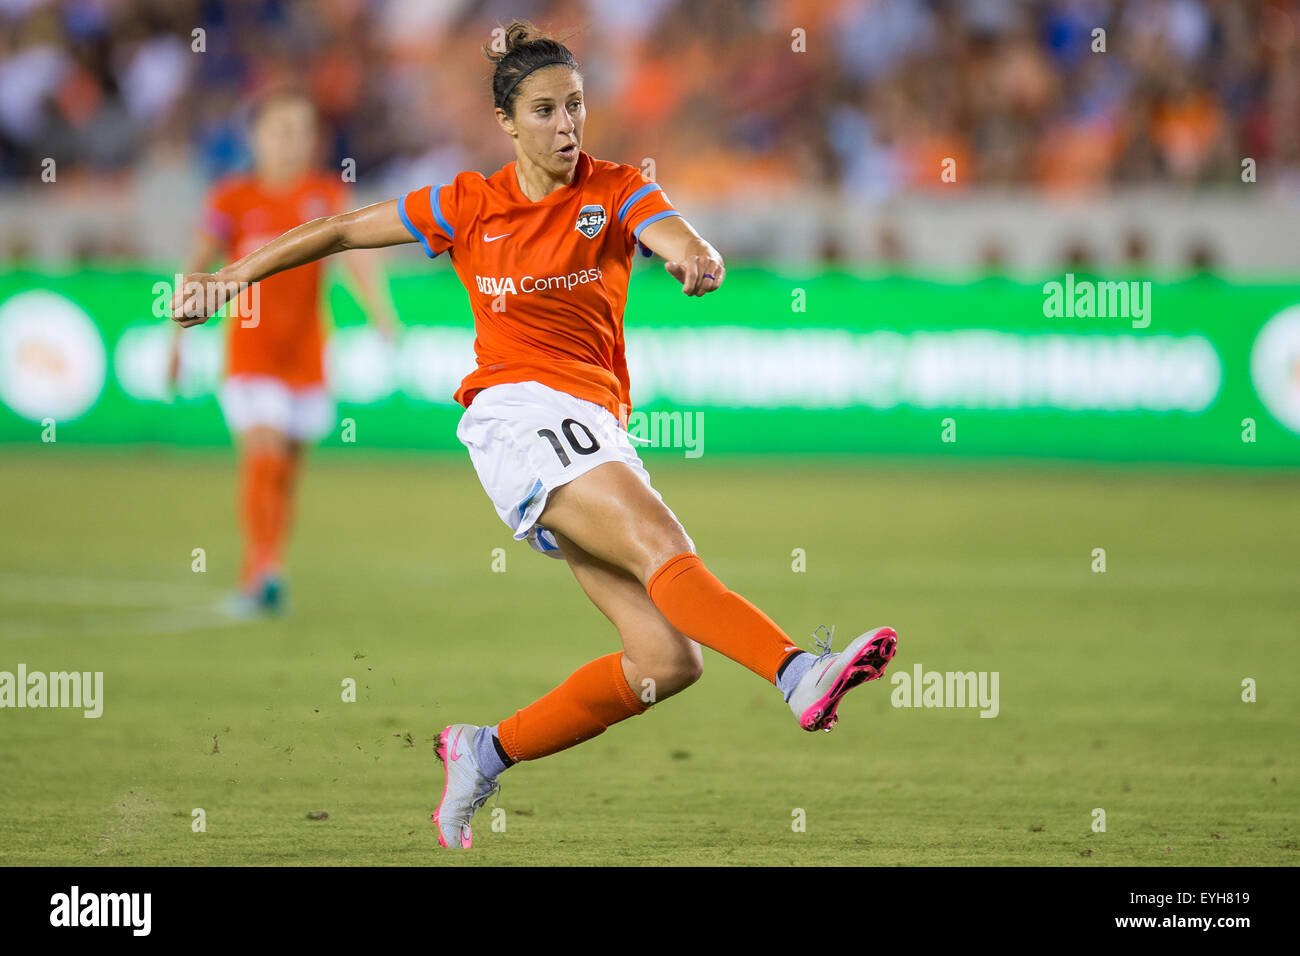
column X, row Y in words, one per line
column 505, row 122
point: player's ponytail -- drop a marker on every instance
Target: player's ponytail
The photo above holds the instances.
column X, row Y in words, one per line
column 522, row 50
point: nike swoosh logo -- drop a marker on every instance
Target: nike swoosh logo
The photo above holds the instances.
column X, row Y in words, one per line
column 792, row 648
column 487, row 238
column 454, row 744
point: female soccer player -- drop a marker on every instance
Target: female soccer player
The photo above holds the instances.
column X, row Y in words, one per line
column 274, row 397
column 544, row 247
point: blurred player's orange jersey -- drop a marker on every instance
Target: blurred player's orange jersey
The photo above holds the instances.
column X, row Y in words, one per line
column 547, row 280
column 287, row 341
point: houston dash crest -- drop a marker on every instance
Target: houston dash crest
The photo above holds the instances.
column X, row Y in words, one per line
column 591, row 219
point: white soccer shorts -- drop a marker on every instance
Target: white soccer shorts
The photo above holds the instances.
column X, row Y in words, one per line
column 303, row 413
column 526, row 440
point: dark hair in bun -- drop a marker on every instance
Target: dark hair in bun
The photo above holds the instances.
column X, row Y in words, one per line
column 526, row 49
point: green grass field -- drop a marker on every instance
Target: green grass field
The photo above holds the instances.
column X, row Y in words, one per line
column 1119, row 690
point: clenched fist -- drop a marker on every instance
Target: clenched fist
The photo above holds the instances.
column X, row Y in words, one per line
column 202, row 295
column 698, row 274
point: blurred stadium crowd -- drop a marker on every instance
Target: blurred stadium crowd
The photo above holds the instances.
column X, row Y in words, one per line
column 885, row 90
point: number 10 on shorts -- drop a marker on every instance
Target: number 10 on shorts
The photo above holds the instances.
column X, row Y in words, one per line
column 566, row 428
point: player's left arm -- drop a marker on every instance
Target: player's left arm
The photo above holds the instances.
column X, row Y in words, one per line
column 207, row 249
column 688, row 257
column 367, row 274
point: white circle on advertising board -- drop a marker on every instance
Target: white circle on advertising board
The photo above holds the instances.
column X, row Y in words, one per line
column 1275, row 366
column 52, row 359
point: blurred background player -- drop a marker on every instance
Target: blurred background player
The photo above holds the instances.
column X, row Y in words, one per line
column 274, row 396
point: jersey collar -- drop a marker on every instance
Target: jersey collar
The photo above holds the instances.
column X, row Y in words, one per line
column 579, row 180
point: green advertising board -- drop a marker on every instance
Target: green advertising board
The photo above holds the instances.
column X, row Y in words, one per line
column 1069, row 367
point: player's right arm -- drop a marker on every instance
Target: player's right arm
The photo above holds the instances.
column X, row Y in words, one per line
column 371, row 227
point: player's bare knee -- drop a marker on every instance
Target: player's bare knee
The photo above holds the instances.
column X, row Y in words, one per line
column 668, row 671
column 690, row 666
column 680, row 670
column 660, row 542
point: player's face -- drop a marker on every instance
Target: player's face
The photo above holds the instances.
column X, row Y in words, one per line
column 284, row 140
column 548, row 120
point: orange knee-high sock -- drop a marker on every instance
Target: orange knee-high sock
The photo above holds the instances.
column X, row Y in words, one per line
column 595, row 696
column 284, row 475
column 258, row 483
column 701, row 607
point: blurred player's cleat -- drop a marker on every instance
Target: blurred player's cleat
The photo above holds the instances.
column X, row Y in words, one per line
column 242, row 605
column 264, row 596
column 834, row 674
column 271, row 595
column 466, row 788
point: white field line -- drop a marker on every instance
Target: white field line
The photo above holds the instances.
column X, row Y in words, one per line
column 131, row 606
column 58, row 589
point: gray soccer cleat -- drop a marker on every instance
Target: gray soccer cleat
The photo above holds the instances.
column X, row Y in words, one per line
column 466, row 788
column 833, row 675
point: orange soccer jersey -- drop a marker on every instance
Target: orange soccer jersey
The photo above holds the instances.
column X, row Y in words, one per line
column 287, row 342
column 547, row 281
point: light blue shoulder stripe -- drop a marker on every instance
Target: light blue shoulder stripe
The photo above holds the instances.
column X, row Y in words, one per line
column 636, row 233
column 636, row 197
column 438, row 217
column 410, row 227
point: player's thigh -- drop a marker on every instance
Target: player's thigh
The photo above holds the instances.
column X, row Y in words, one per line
column 612, row 513
column 656, row 648
column 263, row 438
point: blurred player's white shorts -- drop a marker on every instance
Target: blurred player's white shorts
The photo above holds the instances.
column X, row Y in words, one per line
column 305, row 414
column 526, row 440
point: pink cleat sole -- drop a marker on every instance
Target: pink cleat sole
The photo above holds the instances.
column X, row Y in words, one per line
column 868, row 664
